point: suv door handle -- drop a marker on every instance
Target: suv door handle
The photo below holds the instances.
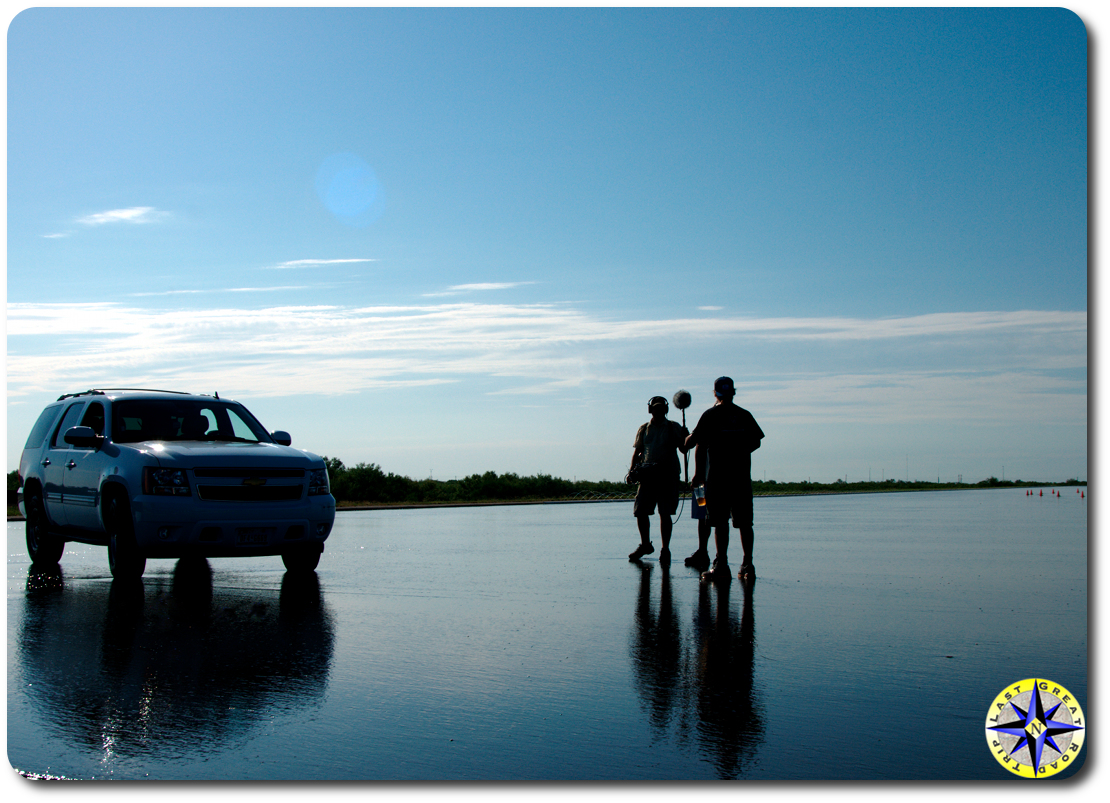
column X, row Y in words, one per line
column 71, row 464
column 46, row 461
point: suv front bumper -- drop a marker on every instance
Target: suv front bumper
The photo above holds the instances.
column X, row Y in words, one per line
column 171, row 527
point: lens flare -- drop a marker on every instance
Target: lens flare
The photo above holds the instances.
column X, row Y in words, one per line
column 349, row 189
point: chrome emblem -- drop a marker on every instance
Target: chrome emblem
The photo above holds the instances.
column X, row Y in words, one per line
column 254, row 481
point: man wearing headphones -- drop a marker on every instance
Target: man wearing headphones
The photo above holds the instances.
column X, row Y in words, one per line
column 656, row 451
column 725, row 437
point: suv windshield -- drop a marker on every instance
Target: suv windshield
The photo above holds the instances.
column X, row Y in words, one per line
column 139, row 420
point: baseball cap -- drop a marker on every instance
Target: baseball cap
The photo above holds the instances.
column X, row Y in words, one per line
column 723, row 387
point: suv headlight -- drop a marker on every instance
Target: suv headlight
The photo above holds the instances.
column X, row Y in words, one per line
column 165, row 481
column 318, row 482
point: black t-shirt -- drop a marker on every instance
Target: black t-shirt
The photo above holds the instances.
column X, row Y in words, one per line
column 729, row 435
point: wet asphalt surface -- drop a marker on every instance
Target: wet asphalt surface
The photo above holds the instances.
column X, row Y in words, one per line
column 519, row 643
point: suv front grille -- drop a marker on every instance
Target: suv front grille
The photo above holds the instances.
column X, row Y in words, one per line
column 233, row 473
column 250, row 493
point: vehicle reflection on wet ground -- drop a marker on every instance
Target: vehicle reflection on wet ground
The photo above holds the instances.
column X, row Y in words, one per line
column 170, row 666
column 519, row 643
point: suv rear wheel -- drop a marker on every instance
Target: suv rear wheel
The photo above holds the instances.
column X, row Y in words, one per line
column 123, row 552
column 44, row 548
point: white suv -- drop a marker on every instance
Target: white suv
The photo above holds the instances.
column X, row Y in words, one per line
column 160, row 474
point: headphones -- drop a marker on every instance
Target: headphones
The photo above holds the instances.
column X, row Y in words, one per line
column 655, row 400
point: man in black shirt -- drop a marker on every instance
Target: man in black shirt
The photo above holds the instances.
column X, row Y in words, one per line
column 725, row 437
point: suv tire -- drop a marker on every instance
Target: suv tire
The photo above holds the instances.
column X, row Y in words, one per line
column 44, row 548
column 302, row 560
column 123, row 553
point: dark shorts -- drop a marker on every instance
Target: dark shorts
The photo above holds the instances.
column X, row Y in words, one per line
column 650, row 494
column 734, row 501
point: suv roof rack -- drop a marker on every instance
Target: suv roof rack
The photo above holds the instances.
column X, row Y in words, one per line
column 103, row 391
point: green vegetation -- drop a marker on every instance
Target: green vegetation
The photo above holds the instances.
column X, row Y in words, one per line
column 367, row 483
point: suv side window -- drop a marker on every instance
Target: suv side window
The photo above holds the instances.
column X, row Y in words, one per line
column 42, row 426
column 94, row 417
column 73, row 414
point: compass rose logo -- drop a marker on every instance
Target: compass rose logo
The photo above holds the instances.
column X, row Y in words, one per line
column 1035, row 728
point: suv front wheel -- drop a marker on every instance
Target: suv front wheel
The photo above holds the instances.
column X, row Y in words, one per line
column 123, row 552
column 44, row 548
column 302, row 559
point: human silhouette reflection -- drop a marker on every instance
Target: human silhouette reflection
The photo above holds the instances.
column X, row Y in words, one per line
column 730, row 722
column 701, row 681
column 656, row 647
column 169, row 665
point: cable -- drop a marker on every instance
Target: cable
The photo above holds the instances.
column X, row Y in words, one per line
column 678, row 515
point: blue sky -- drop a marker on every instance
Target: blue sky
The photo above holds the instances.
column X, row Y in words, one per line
column 449, row 241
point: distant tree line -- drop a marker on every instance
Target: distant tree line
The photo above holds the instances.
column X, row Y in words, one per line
column 367, row 482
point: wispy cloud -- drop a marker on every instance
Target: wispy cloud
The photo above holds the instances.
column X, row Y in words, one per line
column 56, row 236
column 978, row 366
column 225, row 290
column 314, row 263
column 459, row 289
column 134, row 214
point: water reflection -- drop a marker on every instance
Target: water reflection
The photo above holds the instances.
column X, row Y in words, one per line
column 656, row 647
column 169, row 665
column 700, row 682
column 44, row 579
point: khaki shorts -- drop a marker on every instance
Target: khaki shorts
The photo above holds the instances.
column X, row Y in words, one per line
column 664, row 494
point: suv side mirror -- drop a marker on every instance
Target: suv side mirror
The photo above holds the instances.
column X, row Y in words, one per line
column 282, row 437
column 83, row 437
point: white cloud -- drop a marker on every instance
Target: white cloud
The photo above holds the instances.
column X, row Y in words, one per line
column 549, row 348
column 921, row 396
column 458, row 289
column 56, row 236
column 489, row 285
column 934, row 324
column 134, row 214
column 935, row 378
column 314, row 263
column 226, row 290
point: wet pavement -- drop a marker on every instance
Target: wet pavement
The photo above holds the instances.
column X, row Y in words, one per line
column 519, row 643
